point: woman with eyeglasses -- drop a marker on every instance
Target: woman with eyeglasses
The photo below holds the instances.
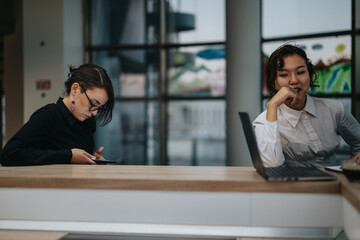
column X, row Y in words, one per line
column 63, row 133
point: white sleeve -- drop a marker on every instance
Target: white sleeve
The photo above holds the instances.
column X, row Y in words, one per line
column 269, row 144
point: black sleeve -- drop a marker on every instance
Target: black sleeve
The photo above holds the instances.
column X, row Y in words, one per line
column 31, row 145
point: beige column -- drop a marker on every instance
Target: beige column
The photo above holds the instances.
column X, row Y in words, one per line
column 243, row 73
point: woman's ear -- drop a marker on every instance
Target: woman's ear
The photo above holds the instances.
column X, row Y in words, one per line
column 75, row 89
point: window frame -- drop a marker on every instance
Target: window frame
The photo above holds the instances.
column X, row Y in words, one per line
column 352, row 33
column 162, row 98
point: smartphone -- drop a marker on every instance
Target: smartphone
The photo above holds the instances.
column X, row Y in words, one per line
column 103, row 162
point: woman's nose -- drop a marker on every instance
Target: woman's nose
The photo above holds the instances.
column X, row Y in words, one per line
column 293, row 79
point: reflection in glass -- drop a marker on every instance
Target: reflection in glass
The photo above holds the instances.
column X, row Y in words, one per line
column 197, row 71
column 196, row 133
column 192, row 21
column 134, row 73
column 114, row 22
column 331, row 57
column 132, row 135
column 282, row 18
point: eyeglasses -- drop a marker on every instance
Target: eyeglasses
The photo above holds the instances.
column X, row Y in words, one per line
column 92, row 107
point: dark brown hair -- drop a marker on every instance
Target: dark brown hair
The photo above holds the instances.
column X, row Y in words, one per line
column 276, row 63
column 90, row 76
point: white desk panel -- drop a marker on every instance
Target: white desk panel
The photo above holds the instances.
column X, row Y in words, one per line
column 156, row 207
column 296, row 210
column 351, row 221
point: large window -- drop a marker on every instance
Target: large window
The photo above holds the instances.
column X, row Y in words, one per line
column 167, row 63
column 324, row 29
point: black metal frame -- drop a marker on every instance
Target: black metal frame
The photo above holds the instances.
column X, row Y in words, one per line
column 1, row 92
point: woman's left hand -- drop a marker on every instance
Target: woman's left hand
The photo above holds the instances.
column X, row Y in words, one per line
column 98, row 152
column 355, row 159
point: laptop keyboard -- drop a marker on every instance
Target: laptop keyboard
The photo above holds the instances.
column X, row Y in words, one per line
column 289, row 171
column 296, row 173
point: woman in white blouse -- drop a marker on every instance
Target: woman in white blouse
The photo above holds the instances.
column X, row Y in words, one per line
column 297, row 129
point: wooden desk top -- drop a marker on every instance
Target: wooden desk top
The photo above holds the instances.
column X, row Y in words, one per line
column 31, row 235
column 160, row 178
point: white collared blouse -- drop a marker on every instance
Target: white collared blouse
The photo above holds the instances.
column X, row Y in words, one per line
column 309, row 137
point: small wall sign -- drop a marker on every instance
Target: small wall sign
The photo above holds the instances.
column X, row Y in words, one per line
column 43, row 84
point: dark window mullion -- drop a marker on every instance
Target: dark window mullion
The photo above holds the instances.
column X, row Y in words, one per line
column 354, row 101
column 177, row 45
column 305, row 36
column 162, row 119
column 150, row 46
column 173, row 98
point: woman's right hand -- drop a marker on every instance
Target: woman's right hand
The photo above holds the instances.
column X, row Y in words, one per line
column 80, row 156
column 355, row 160
column 284, row 95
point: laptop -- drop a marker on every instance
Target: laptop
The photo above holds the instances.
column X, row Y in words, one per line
column 278, row 173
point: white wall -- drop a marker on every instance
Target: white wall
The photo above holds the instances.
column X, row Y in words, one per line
column 53, row 38
column 43, row 51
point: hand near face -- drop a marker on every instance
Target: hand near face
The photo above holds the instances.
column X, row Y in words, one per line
column 80, row 156
column 284, row 95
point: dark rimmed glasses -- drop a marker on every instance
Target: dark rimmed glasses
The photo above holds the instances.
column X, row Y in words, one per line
column 92, row 107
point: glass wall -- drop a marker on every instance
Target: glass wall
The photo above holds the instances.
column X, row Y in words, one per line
column 196, row 71
column 325, row 33
column 282, row 18
column 196, row 132
column 167, row 63
column 331, row 57
column 195, row 21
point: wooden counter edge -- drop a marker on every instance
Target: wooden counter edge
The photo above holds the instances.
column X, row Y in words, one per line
column 322, row 187
column 31, row 234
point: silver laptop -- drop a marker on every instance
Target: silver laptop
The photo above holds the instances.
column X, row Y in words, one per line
column 278, row 173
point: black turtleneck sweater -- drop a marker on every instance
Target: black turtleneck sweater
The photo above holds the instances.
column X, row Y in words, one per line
column 48, row 137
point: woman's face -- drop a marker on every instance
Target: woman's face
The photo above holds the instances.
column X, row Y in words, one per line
column 294, row 74
column 95, row 97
